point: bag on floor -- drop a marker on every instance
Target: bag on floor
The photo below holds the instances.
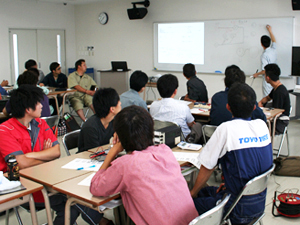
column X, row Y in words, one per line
column 70, row 122
column 61, row 127
column 287, row 166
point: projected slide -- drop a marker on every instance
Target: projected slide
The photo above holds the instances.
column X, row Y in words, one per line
column 180, row 43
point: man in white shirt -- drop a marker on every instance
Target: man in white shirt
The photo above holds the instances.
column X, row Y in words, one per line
column 269, row 56
column 172, row 110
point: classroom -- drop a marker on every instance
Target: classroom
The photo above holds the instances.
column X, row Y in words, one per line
column 132, row 41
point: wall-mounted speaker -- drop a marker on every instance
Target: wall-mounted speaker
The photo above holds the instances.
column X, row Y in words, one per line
column 296, row 4
column 137, row 13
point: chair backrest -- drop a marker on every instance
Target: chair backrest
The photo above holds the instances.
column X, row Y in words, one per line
column 70, row 140
column 52, row 121
column 208, row 131
column 213, row 216
column 254, row 186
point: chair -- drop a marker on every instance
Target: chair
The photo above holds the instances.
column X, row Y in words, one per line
column 254, row 186
column 52, row 121
column 70, row 140
column 213, row 216
column 283, row 135
column 207, row 131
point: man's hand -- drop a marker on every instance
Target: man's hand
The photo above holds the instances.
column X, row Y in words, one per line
column 221, row 187
column 41, row 84
column 255, row 75
column 89, row 92
column 4, row 83
column 115, row 139
column 47, row 143
column 269, row 28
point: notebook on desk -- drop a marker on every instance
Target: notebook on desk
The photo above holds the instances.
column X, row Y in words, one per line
column 119, row 66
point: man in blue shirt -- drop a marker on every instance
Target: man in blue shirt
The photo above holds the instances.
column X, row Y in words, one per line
column 2, row 90
column 243, row 148
column 218, row 112
column 138, row 81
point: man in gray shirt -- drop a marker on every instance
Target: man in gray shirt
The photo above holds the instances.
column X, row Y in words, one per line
column 138, row 81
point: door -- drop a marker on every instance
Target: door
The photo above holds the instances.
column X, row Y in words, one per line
column 44, row 46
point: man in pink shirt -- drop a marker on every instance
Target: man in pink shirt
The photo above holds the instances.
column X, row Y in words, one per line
column 148, row 177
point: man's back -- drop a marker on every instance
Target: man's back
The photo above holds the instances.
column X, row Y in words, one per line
column 197, row 89
column 281, row 99
column 244, row 150
column 169, row 109
column 132, row 97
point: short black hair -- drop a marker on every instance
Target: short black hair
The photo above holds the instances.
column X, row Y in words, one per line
column 103, row 99
column 138, row 80
column 28, row 77
column 233, row 74
column 53, row 66
column 78, row 63
column 166, row 85
column 241, row 99
column 265, row 41
column 25, row 97
column 30, row 63
column 273, row 71
column 134, row 127
column 189, row 70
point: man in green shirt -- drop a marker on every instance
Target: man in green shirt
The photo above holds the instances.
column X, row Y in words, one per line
column 82, row 82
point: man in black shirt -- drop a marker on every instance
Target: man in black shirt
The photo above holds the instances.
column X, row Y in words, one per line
column 98, row 129
column 279, row 94
column 196, row 88
column 55, row 78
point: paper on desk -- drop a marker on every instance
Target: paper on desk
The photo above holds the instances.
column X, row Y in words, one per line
column 110, row 205
column 188, row 157
column 83, row 164
column 87, row 180
column 197, row 110
column 6, row 184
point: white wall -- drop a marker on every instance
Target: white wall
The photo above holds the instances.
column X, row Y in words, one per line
column 122, row 39
column 34, row 15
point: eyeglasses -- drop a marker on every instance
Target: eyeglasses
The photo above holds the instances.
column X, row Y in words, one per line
column 59, row 68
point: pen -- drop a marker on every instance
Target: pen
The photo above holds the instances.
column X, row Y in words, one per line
column 97, row 154
column 81, row 168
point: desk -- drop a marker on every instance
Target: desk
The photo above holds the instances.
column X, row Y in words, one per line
column 149, row 85
column 115, row 79
column 14, row 199
column 64, row 94
column 82, row 195
column 51, row 173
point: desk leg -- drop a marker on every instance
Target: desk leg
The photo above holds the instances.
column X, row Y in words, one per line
column 68, row 210
column 32, row 211
column 47, row 206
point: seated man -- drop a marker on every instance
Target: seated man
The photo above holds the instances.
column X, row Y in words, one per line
column 138, row 81
column 32, row 64
column 30, row 77
column 195, row 87
column 82, row 83
column 98, row 129
column 32, row 142
column 148, row 177
column 171, row 110
column 279, row 94
column 218, row 112
column 55, row 78
column 2, row 90
column 241, row 159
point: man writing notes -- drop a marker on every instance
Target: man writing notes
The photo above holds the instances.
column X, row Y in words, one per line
column 241, row 159
column 268, row 56
column 279, row 95
column 82, row 82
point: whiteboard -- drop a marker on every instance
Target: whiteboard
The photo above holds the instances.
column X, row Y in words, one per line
column 228, row 42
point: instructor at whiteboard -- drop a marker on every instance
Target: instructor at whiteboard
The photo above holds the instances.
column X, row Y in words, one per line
column 269, row 56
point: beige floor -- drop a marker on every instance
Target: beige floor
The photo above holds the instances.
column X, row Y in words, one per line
column 275, row 183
